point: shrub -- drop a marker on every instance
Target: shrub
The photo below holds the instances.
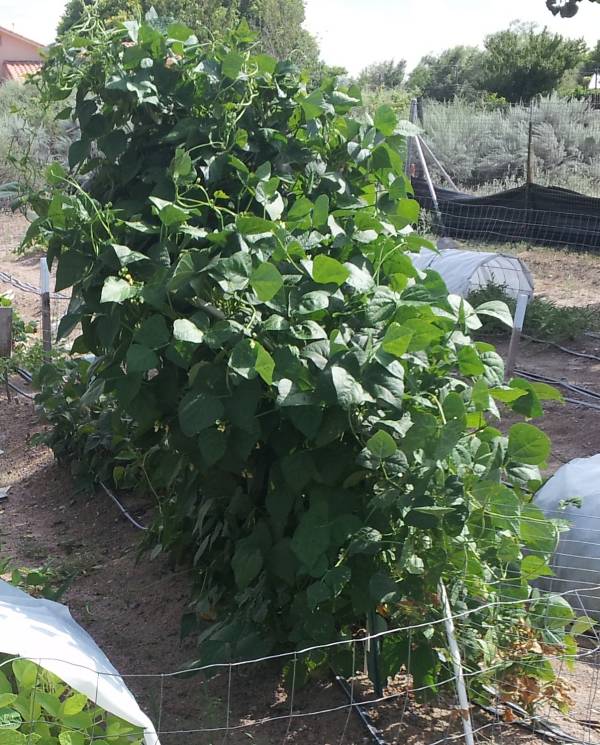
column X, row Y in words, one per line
column 485, row 148
column 309, row 411
column 30, row 136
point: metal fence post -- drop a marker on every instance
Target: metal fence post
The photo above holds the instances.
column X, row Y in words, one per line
column 46, row 318
column 6, row 316
column 515, row 339
column 413, row 117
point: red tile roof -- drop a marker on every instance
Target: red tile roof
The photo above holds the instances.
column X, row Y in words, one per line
column 19, row 70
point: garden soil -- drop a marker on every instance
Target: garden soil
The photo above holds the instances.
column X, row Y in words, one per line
column 133, row 605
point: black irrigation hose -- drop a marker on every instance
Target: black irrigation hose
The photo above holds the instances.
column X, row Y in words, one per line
column 358, row 707
column 124, row 512
column 562, row 383
column 18, row 390
column 563, row 349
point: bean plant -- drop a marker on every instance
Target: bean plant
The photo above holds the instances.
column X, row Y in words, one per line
column 318, row 430
column 37, row 708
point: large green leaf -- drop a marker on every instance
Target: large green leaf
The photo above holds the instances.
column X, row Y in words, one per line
column 528, row 444
column 329, row 271
column 187, row 331
column 249, row 359
column 199, row 411
column 382, row 445
column 117, row 290
column 266, row 281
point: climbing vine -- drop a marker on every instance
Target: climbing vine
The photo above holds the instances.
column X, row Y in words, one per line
column 309, row 411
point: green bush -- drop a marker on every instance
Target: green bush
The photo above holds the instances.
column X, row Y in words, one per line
column 485, row 148
column 309, row 412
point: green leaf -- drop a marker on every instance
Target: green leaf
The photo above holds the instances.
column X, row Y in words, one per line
column 153, row 332
column 321, row 211
column 397, row 339
column 583, row 624
column 168, row 213
column 249, row 359
column 266, row 281
column 250, row 225
column 74, row 704
column 313, row 105
column 469, row 362
column 533, row 567
column 537, row 532
column 301, row 208
column 265, row 365
column 141, row 358
column 26, row 673
column 382, row 445
column 199, row 411
column 6, row 699
column 11, row 737
column 117, row 290
column 528, row 444
column 78, row 152
column 187, row 331
column 386, row 120
column 349, row 391
column 496, row 309
column 71, row 737
column 232, row 65
column 326, row 271
column 71, row 267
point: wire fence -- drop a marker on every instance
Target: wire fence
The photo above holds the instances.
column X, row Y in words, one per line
column 511, row 173
column 247, row 701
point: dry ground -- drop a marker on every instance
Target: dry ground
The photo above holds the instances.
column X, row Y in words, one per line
column 132, row 605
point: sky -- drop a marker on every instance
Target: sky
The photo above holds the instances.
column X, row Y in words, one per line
column 356, row 33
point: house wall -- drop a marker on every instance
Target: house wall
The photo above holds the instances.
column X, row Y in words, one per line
column 17, row 50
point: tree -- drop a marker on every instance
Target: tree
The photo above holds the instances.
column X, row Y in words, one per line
column 522, row 61
column 453, row 73
column 107, row 9
column 564, row 8
column 386, row 74
column 279, row 22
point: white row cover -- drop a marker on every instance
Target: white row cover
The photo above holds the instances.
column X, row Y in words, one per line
column 45, row 633
column 465, row 271
column 576, row 563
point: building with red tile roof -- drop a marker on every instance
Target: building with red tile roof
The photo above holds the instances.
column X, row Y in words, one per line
column 19, row 56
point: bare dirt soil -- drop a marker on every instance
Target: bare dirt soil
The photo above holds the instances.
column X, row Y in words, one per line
column 132, row 605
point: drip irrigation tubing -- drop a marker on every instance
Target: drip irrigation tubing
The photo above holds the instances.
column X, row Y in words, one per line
column 359, row 708
column 122, row 509
column 18, row 390
column 586, row 355
column 562, row 383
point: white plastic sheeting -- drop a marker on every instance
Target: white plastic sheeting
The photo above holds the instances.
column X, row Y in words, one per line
column 45, row 633
column 576, row 563
column 465, row 271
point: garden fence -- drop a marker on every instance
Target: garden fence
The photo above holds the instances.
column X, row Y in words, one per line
column 511, row 174
column 247, row 702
